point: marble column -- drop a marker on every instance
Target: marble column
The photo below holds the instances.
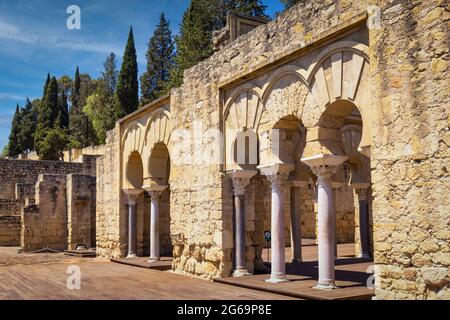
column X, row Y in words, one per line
column 296, row 236
column 364, row 242
column 155, row 192
column 132, row 197
column 324, row 166
column 335, row 186
column 277, row 174
column 240, row 180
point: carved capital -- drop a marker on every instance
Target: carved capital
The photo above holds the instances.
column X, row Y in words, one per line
column 155, row 190
column 132, row 195
column 241, row 179
column 361, row 190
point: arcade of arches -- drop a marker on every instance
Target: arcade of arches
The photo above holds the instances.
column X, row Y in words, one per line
column 296, row 156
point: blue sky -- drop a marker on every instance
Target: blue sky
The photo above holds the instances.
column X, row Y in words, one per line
column 34, row 40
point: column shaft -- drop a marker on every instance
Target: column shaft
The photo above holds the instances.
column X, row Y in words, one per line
column 296, row 240
column 364, row 228
column 154, row 227
column 326, row 236
column 131, row 230
column 278, row 263
column 240, row 257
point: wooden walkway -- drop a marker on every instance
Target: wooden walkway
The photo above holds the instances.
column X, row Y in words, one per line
column 142, row 262
column 107, row 280
column 351, row 275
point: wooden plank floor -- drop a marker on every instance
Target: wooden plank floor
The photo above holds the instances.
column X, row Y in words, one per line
column 351, row 276
column 106, row 280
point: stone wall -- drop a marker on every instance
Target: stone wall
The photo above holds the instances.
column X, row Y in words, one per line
column 44, row 224
column 9, row 207
column 110, row 208
column 411, row 150
column 9, row 231
column 81, row 193
column 27, row 171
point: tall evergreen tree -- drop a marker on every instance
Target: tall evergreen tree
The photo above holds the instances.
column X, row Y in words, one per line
column 63, row 115
column 81, row 133
column 253, row 8
column 110, row 73
column 47, row 82
column 290, row 3
column 14, row 147
column 194, row 42
column 160, row 60
column 28, row 127
column 127, row 84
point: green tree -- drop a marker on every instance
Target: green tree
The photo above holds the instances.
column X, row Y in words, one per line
column 53, row 144
column 101, row 109
column 253, row 8
column 28, row 126
column 14, row 147
column 160, row 60
column 194, row 43
column 290, row 3
column 81, row 132
column 127, row 83
column 63, row 115
column 48, row 126
column 110, row 73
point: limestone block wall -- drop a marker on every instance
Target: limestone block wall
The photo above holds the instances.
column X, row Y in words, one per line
column 9, row 231
column 411, row 150
column 27, row 172
column 9, row 207
column 44, row 224
column 110, row 208
column 81, row 192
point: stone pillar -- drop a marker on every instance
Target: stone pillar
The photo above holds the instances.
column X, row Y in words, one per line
column 296, row 236
column 364, row 243
column 335, row 186
column 277, row 174
column 155, row 192
column 241, row 180
column 324, row 166
column 132, row 197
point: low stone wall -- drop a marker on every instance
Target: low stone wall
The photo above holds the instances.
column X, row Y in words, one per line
column 80, row 211
column 9, row 231
column 27, row 172
column 44, row 224
column 9, row 207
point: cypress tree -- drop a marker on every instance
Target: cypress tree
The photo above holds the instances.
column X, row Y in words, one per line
column 127, row 84
column 194, row 42
column 14, row 147
column 81, row 133
column 248, row 7
column 160, row 59
column 47, row 82
column 110, row 73
column 28, row 127
column 63, row 115
column 290, row 3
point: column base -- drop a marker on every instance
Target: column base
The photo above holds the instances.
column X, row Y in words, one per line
column 153, row 260
column 131, row 255
column 296, row 261
column 277, row 278
column 364, row 256
column 325, row 287
column 241, row 273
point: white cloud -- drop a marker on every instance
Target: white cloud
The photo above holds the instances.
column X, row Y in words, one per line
column 11, row 96
column 12, row 32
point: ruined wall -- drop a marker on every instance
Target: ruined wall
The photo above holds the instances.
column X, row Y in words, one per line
column 44, row 224
column 27, row 171
column 9, row 231
column 81, row 192
column 110, row 208
column 410, row 154
column 9, row 207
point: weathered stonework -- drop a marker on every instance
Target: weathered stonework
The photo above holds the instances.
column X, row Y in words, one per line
column 322, row 80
